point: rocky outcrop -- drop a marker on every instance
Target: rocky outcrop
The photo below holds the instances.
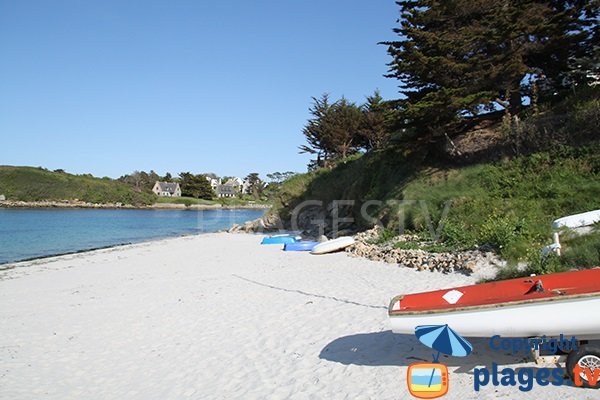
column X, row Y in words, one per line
column 267, row 223
column 464, row 261
column 311, row 220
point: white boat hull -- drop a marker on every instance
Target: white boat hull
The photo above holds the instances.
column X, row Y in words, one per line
column 577, row 220
column 570, row 317
column 333, row 245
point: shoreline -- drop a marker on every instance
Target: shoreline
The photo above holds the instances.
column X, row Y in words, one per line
column 11, row 264
column 31, row 261
column 5, row 266
column 18, row 204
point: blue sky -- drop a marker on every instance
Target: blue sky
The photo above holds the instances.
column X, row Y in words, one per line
column 107, row 87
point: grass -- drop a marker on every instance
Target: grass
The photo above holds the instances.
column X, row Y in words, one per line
column 581, row 251
column 375, row 176
column 509, row 205
column 224, row 201
column 35, row 184
column 187, row 201
column 237, row 201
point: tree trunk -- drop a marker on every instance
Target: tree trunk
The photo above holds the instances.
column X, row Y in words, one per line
column 515, row 101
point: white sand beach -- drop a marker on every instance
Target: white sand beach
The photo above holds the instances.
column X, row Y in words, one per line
column 218, row 316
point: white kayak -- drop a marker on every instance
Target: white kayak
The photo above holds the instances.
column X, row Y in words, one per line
column 333, row 245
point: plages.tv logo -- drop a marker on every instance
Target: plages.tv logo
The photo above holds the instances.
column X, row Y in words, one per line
column 431, row 380
column 582, row 365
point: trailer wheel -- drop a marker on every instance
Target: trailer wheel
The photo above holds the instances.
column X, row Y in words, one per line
column 588, row 358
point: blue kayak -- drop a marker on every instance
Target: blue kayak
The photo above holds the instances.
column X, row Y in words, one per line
column 300, row 246
column 278, row 240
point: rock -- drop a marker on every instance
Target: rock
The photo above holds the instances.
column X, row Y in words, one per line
column 465, row 262
column 345, row 232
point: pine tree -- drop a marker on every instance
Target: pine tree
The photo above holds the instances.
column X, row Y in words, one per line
column 316, row 130
column 195, row 186
column 344, row 126
column 255, row 185
column 377, row 122
column 333, row 131
column 460, row 58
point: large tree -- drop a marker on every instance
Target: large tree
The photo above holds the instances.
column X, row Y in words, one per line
column 195, row 186
column 140, row 180
column 333, row 131
column 278, row 177
column 255, row 185
column 377, row 122
column 316, row 130
column 464, row 57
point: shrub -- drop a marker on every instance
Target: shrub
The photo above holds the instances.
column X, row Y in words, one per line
column 582, row 251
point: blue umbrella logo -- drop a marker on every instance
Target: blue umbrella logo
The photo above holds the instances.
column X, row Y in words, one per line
column 443, row 339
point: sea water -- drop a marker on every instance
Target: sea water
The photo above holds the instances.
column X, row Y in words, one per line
column 40, row 232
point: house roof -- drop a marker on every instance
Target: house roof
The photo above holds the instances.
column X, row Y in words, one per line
column 167, row 186
column 232, row 182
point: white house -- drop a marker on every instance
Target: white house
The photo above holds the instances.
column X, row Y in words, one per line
column 167, row 189
column 246, row 187
column 214, row 183
column 231, row 188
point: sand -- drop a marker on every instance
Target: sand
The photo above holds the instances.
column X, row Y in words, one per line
column 218, row 316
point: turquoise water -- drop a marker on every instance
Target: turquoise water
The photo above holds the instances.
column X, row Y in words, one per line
column 30, row 233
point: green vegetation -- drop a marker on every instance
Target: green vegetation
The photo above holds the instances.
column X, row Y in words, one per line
column 196, row 186
column 462, row 65
column 187, row 201
column 457, row 59
column 256, row 187
column 143, row 181
column 507, row 205
column 341, row 129
column 582, row 250
column 35, row 184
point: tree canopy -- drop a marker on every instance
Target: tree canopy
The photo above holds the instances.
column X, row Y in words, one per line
column 377, row 122
column 196, row 186
column 339, row 129
column 459, row 58
column 141, row 181
column 278, row 177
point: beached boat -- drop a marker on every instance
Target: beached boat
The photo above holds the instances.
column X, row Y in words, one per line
column 280, row 239
column 300, row 246
column 333, row 245
column 577, row 220
column 563, row 303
